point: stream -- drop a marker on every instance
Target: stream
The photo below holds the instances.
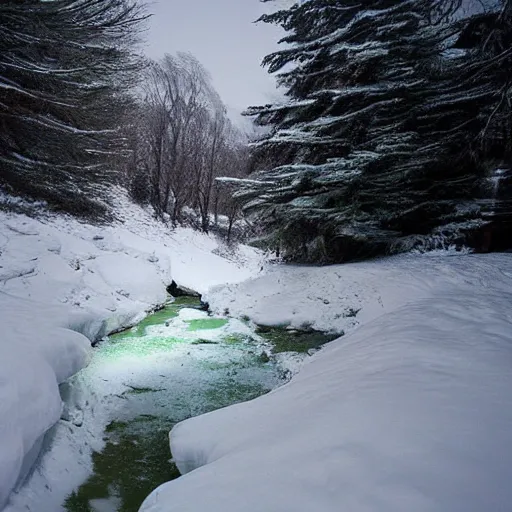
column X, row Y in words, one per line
column 177, row 363
column 112, row 443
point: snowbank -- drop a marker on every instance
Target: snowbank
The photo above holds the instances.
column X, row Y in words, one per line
column 64, row 284
column 340, row 297
column 412, row 411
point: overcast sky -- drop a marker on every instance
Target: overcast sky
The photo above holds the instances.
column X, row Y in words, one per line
column 222, row 35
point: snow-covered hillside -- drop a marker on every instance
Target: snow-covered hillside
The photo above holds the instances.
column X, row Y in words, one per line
column 64, row 284
column 410, row 411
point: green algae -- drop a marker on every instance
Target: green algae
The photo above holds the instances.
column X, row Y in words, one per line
column 236, row 339
column 140, row 346
column 201, row 324
column 231, row 392
column 115, row 426
column 167, row 313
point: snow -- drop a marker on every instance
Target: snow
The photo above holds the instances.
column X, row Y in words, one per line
column 63, row 284
column 411, row 410
column 181, row 375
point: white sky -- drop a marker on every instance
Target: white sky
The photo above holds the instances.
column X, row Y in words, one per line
column 222, row 35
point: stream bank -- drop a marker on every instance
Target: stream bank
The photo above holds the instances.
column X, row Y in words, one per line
column 177, row 363
column 110, row 449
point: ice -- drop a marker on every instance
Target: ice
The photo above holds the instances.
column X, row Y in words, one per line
column 409, row 411
column 105, row 505
column 192, row 314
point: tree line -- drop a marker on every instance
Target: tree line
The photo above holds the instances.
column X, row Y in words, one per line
column 182, row 140
column 81, row 110
column 396, row 132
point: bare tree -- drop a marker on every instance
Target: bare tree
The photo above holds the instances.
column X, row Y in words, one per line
column 185, row 141
column 187, row 138
column 216, row 159
column 238, row 167
column 178, row 101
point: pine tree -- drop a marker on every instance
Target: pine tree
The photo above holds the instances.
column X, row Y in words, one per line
column 65, row 68
column 384, row 142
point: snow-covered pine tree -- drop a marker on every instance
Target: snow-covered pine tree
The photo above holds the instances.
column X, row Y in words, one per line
column 381, row 144
column 65, row 67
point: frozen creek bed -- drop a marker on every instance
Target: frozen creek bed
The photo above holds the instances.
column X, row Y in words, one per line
column 111, row 445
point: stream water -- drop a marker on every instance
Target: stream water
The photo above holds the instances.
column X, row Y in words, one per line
column 178, row 363
column 111, row 445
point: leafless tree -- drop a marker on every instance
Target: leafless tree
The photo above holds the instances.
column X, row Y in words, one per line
column 188, row 140
column 178, row 97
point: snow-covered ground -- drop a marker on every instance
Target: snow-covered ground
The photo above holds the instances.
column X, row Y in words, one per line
column 64, row 284
column 340, row 297
column 410, row 411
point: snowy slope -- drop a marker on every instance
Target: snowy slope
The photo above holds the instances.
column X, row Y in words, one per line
column 340, row 297
column 63, row 284
column 411, row 411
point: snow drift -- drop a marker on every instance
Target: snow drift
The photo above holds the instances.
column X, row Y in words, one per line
column 411, row 411
column 64, row 284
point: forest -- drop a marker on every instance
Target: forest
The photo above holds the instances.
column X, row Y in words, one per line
column 394, row 132
column 299, row 303
column 82, row 110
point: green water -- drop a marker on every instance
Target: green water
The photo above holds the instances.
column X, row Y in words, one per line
column 135, row 461
column 169, row 312
column 207, row 323
column 284, row 340
column 175, row 364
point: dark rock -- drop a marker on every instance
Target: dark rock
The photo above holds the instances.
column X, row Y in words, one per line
column 181, row 291
column 264, row 358
column 263, row 329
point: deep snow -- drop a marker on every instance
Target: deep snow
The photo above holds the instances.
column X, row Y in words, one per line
column 138, row 383
column 64, row 284
column 410, row 411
